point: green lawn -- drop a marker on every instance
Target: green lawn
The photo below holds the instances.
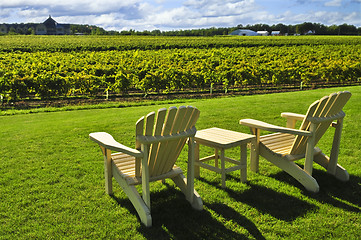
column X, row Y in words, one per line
column 52, row 186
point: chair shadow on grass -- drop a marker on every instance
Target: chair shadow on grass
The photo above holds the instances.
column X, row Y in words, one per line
column 345, row 195
column 268, row 201
column 174, row 218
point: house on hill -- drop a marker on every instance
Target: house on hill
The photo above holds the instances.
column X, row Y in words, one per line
column 54, row 28
column 48, row 27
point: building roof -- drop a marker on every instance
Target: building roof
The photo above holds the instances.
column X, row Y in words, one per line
column 50, row 22
column 262, row 32
column 243, row 32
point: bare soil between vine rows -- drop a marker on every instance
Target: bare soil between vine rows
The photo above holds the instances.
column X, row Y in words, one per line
column 138, row 97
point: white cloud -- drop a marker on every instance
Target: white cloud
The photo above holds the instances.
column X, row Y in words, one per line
column 180, row 14
column 334, row 3
column 220, row 8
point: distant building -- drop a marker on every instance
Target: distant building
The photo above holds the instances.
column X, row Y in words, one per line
column 262, row 33
column 49, row 27
column 276, row 33
column 243, row 32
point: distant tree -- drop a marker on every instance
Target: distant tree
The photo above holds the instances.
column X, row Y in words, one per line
column 320, row 29
column 156, row 32
column 346, row 29
column 280, row 27
column 112, row 32
column 30, row 31
column 333, row 30
column 12, row 31
column 291, row 29
column 98, row 31
column 258, row 27
column 305, row 28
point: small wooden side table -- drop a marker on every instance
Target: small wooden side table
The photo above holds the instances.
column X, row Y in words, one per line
column 221, row 139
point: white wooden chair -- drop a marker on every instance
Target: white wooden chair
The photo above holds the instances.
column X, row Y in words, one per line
column 288, row 144
column 158, row 145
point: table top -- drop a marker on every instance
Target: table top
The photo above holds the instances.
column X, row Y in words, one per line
column 222, row 138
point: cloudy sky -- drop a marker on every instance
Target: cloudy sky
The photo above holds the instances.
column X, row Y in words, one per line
column 181, row 14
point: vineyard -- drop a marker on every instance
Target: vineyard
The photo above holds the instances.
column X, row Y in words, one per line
column 54, row 66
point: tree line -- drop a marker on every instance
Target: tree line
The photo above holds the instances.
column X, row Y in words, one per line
column 301, row 29
column 307, row 28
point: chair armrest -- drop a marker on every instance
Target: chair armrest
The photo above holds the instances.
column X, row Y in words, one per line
column 107, row 141
column 272, row 128
column 295, row 116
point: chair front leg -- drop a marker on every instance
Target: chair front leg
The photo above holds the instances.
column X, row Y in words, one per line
column 190, row 170
column 145, row 176
column 108, row 170
column 254, row 155
column 310, row 150
column 332, row 165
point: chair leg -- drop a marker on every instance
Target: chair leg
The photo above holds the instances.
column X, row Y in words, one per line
column 134, row 197
column 255, row 151
column 292, row 169
column 332, row 166
column 108, row 171
column 340, row 173
column 196, row 156
column 139, row 205
column 196, row 201
column 300, row 175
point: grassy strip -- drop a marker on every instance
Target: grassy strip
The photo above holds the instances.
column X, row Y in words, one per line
column 103, row 105
column 52, row 186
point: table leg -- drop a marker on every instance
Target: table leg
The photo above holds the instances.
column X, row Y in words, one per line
column 216, row 157
column 223, row 167
column 196, row 160
column 243, row 162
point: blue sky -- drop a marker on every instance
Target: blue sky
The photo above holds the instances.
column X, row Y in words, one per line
column 180, row 14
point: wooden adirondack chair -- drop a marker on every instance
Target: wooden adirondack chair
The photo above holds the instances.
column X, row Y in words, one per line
column 288, row 144
column 158, row 145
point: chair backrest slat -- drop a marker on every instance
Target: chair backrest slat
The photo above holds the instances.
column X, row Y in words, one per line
column 149, row 124
column 172, row 111
column 325, row 107
column 139, row 128
column 158, row 128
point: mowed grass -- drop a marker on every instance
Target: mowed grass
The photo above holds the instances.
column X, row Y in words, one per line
column 52, row 185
